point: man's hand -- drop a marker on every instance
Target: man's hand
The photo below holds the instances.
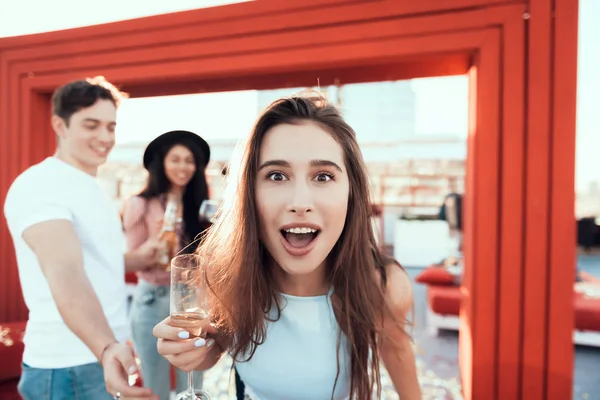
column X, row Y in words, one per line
column 118, row 362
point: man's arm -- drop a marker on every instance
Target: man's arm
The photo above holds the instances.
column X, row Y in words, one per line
column 35, row 210
column 59, row 254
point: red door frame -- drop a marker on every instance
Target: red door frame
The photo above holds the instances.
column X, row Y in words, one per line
column 516, row 338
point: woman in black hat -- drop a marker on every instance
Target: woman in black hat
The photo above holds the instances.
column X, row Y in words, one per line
column 176, row 163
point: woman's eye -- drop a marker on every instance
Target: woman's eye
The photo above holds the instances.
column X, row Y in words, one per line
column 276, row 176
column 324, row 177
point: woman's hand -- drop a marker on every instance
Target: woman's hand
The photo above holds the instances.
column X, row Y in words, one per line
column 187, row 353
column 144, row 257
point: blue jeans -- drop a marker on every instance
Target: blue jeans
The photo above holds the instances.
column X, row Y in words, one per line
column 84, row 382
column 150, row 306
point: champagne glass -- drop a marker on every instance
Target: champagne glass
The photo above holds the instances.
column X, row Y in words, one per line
column 189, row 306
column 208, row 209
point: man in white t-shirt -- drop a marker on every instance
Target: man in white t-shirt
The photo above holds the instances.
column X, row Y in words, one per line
column 71, row 256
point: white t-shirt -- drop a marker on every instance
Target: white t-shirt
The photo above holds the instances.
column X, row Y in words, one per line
column 53, row 190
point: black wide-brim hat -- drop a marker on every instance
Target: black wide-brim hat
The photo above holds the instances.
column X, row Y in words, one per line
column 167, row 140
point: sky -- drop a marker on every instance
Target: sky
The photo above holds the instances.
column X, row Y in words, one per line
column 140, row 118
column 441, row 103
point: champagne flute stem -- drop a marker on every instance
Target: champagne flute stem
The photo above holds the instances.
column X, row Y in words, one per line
column 191, row 385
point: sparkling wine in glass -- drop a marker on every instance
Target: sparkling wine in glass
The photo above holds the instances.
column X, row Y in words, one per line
column 189, row 306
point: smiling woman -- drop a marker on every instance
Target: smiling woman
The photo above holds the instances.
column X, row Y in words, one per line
column 304, row 300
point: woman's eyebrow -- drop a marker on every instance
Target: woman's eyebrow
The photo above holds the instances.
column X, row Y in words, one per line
column 313, row 163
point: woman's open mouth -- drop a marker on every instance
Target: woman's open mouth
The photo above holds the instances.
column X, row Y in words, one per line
column 299, row 241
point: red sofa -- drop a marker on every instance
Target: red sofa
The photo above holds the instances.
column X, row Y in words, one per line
column 11, row 354
column 443, row 299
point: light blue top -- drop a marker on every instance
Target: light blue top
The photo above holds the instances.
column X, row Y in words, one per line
column 298, row 360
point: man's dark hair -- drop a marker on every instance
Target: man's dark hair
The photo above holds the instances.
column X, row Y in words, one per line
column 77, row 95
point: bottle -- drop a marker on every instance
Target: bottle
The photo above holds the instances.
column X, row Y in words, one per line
column 168, row 235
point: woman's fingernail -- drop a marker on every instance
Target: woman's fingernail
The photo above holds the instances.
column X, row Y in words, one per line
column 183, row 335
column 132, row 370
column 210, row 342
column 200, row 342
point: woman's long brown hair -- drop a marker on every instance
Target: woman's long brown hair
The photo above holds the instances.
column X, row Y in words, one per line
column 241, row 282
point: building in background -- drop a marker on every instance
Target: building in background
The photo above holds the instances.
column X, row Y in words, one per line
column 379, row 112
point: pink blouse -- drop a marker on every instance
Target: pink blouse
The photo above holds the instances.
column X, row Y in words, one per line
column 142, row 219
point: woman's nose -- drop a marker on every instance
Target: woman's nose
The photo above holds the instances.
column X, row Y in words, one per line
column 302, row 201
